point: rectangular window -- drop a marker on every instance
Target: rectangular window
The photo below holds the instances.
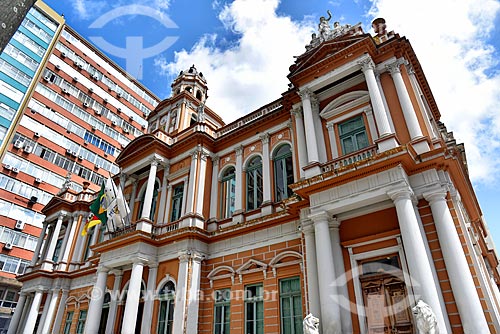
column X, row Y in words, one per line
column 254, row 309
column 291, row 306
column 353, row 135
column 222, row 311
column 10, row 299
column 81, row 322
column 177, row 196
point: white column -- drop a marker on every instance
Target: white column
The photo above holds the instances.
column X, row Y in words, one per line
column 200, row 196
column 67, row 243
column 94, row 239
column 132, row 197
column 312, row 269
column 266, row 169
column 384, row 100
column 238, row 206
column 30, row 322
column 60, row 311
column 333, row 140
column 123, row 179
column 330, row 310
column 312, row 145
column 24, row 315
column 163, row 196
column 301, row 139
column 113, row 305
column 338, row 263
column 96, row 300
column 367, row 66
column 80, row 242
column 371, row 123
column 53, row 242
column 420, row 269
column 168, row 204
column 51, row 310
column 46, row 243
column 192, row 183
column 148, row 197
column 318, row 129
column 462, row 284
column 44, row 312
column 405, row 101
column 39, row 244
column 133, row 295
column 194, row 288
column 149, row 302
column 14, row 322
column 215, row 186
column 180, row 294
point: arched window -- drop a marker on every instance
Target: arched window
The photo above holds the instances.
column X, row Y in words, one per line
column 153, row 203
column 228, row 193
column 105, row 312
column 283, row 172
column 199, row 95
column 254, row 183
column 166, row 314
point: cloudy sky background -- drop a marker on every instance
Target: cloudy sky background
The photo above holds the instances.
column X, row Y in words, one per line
column 245, row 47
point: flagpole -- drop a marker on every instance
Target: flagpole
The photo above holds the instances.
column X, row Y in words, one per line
column 127, row 220
column 112, row 220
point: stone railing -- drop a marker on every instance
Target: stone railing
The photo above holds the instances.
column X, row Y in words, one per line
column 349, row 159
column 165, row 228
column 249, row 118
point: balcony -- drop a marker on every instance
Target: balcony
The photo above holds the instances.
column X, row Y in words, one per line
column 349, row 159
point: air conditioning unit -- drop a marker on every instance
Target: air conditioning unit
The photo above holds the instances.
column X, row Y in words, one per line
column 86, row 105
column 36, row 134
column 18, row 143
column 38, row 180
column 80, row 66
column 93, row 128
column 97, row 166
column 114, row 123
column 46, row 78
column 63, row 54
column 96, row 77
column 28, row 149
column 105, row 100
column 80, row 157
column 131, row 118
column 58, row 67
column 19, row 225
column 65, row 91
column 97, row 112
column 33, row 200
column 143, row 126
column 75, row 62
column 75, row 79
column 15, row 170
column 7, row 167
column 73, row 153
column 119, row 110
column 122, row 145
column 119, row 94
column 8, row 245
column 85, row 143
column 126, row 131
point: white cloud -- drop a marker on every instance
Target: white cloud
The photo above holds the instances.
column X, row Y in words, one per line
column 86, row 9
column 252, row 71
column 450, row 40
column 92, row 9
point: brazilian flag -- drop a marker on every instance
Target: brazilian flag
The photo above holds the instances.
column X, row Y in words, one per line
column 99, row 209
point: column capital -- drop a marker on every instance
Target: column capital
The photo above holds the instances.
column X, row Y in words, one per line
column 166, row 168
column 264, row 138
column 306, row 93
column 238, row 150
column 215, row 159
column 330, row 126
column 102, row 269
column 117, row 272
column 435, row 196
column 184, row 256
column 400, row 194
column 204, row 156
column 62, row 215
column 366, row 64
column 307, row 227
column 139, row 260
column 153, row 265
column 123, row 177
column 394, row 67
column 334, row 223
column 297, row 111
column 197, row 257
column 368, row 111
column 154, row 162
column 319, row 217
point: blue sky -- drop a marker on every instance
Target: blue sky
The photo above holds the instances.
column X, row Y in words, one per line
column 244, row 49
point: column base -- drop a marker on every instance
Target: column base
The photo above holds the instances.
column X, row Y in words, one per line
column 387, row 143
column 62, row 266
column 238, row 218
column 47, row 266
column 267, row 208
column 193, row 220
column 144, row 226
column 420, row 145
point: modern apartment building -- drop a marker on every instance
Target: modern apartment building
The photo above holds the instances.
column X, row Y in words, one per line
column 346, row 197
column 67, row 113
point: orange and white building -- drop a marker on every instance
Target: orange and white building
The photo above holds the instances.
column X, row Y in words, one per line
column 346, row 198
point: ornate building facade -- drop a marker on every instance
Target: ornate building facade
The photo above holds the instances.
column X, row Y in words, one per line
column 346, row 198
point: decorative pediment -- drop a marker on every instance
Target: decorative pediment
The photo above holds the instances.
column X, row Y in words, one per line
column 140, row 145
column 285, row 259
column 221, row 272
column 345, row 102
column 252, row 266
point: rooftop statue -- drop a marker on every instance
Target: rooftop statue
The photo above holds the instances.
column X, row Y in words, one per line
column 324, row 26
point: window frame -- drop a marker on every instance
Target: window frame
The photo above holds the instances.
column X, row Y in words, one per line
column 353, row 134
column 286, row 157
column 255, row 191
column 255, row 301
column 227, row 195
column 166, row 318
column 80, row 326
column 290, row 296
column 225, row 306
column 68, row 322
column 177, row 200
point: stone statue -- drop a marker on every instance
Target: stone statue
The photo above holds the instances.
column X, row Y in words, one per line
column 425, row 319
column 324, row 26
column 311, row 324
